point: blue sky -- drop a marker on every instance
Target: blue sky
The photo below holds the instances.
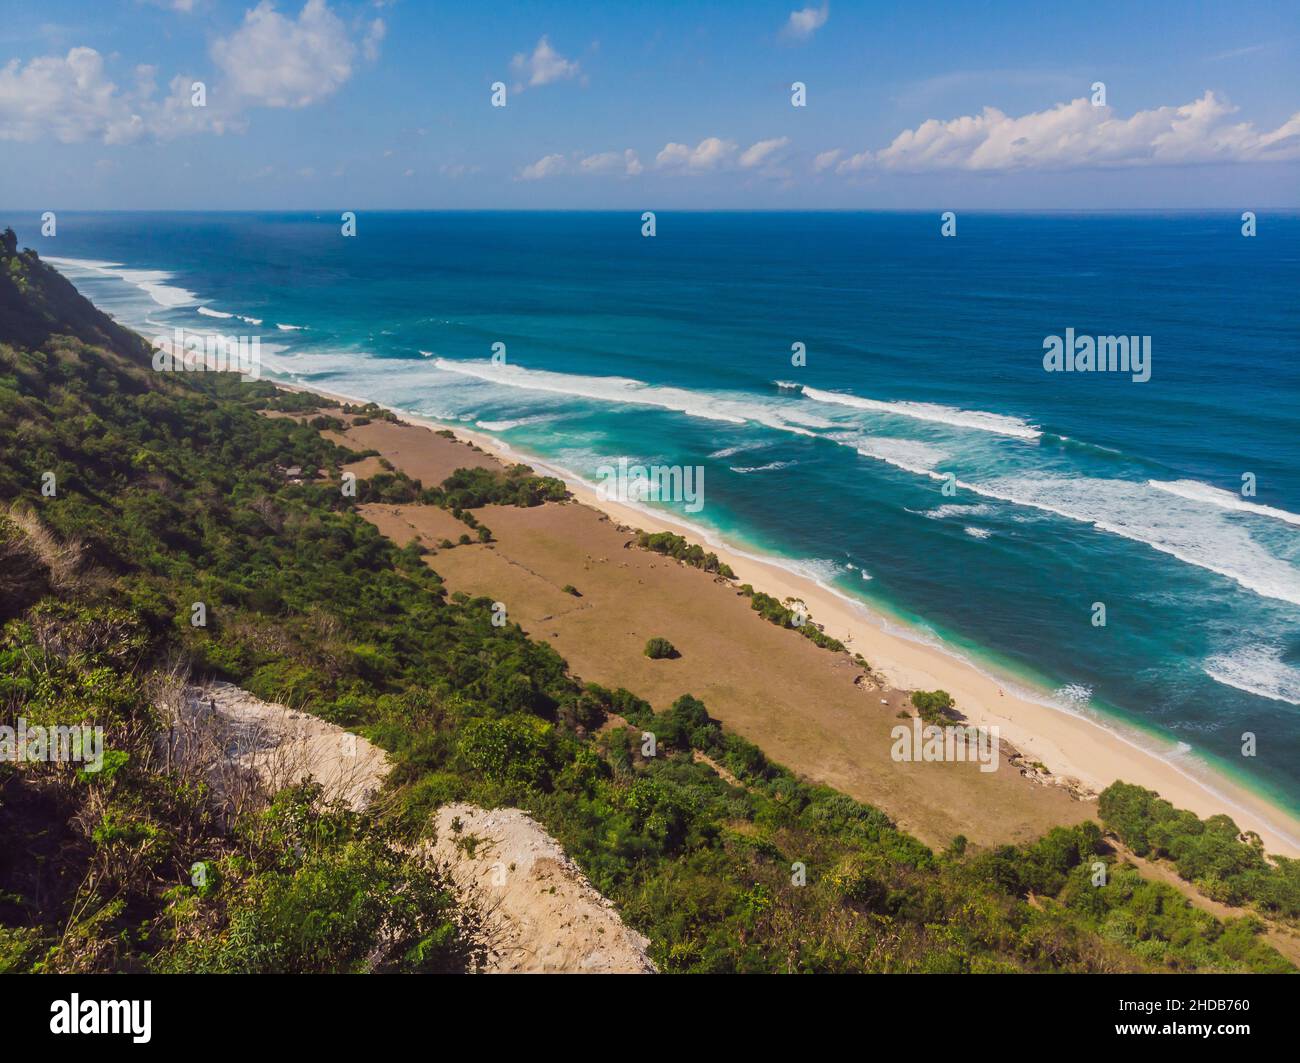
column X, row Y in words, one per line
column 331, row 104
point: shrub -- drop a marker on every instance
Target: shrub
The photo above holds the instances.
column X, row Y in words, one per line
column 515, row 748
column 658, row 649
column 935, row 706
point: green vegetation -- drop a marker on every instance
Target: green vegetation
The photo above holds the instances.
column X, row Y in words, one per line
column 516, row 486
column 680, row 549
column 771, row 610
column 171, row 490
column 1110, row 899
column 935, row 706
column 658, row 649
column 1224, row 863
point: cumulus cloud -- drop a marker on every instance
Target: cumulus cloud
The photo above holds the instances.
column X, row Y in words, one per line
column 826, row 159
column 803, row 23
column 708, row 154
column 543, row 67
column 1077, row 135
column 624, row 163
column 546, row 166
column 276, row 61
column 70, row 98
column 762, row 152
column 269, row 61
column 604, row 164
column 716, row 153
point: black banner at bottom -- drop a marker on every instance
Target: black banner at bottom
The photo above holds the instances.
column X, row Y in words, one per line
column 149, row 1012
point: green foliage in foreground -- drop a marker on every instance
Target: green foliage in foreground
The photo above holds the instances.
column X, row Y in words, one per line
column 1214, row 854
column 171, row 491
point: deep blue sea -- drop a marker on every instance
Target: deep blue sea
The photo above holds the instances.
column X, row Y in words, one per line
column 924, row 367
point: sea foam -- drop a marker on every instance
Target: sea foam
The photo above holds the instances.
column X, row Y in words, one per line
column 153, row 282
column 1256, row 670
column 998, row 423
column 638, row 393
column 1216, row 496
column 1191, row 532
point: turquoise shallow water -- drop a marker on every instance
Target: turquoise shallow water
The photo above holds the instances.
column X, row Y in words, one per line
column 924, row 366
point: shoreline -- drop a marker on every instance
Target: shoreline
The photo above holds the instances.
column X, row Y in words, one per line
column 1075, row 748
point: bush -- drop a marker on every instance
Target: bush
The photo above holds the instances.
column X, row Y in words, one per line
column 517, row 748
column 658, row 649
column 935, row 706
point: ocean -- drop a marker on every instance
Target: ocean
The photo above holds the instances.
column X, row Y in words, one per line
column 922, row 461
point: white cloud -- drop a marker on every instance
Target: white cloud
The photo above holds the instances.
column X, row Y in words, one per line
column 270, row 61
column 708, row 154
column 374, row 37
column 803, row 23
column 605, row 164
column 762, row 152
column 274, row 61
column 826, row 159
column 625, row 163
column 544, row 66
column 70, row 98
column 714, row 153
column 547, row 166
column 1077, row 135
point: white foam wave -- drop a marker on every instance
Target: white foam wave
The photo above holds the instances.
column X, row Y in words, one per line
column 638, row 393
column 958, row 510
column 976, row 533
column 1216, row 496
column 150, row 281
column 998, row 423
column 910, row 455
column 727, row 452
column 1256, row 670
column 820, row 570
column 744, row 469
column 208, row 312
column 1187, row 531
column 290, row 328
column 505, row 426
column 1074, row 695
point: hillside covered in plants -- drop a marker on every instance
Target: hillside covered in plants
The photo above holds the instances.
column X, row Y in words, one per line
column 171, row 489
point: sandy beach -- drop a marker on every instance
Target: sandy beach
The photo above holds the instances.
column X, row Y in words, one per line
column 805, row 706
